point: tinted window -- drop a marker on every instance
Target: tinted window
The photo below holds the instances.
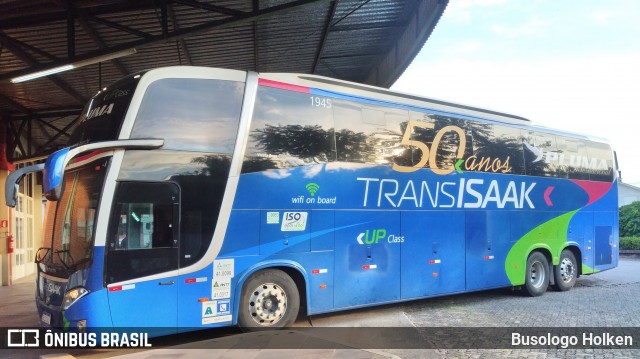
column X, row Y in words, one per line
column 540, row 149
column 432, row 141
column 600, row 162
column 294, row 129
column 202, row 178
column 368, row 134
column 103, row 115
column 191, row 114
column 446, row 141
column 144, row 225
column 143, row 236
column 289, row 129
column 564, row 157
column 571, row 160
column 71, row 220
column 496, row 149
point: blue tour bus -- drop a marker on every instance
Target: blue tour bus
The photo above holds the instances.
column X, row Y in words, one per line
column 197, row 197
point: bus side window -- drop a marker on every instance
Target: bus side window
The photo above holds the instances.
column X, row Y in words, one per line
column 144, row 233
column 540, row 154
column 162, row 235
column 369, row 134
column 601, row 162
column 574, row 159
column 206, row 111
column 289, row 129
column 144, row 226
column 496, row 149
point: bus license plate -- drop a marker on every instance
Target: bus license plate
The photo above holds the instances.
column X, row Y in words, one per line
column 46, row 318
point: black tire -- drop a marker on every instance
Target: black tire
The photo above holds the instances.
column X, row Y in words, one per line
column 566, row 272
column 537, row 275
column 270, row 300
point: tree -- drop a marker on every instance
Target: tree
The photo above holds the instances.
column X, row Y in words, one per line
column 630, row 220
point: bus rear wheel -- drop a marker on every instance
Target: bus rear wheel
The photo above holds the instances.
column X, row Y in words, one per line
column 537, row 276
column 270, row 300
column 566, row 272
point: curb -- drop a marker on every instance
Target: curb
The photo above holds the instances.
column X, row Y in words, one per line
column 630, row 252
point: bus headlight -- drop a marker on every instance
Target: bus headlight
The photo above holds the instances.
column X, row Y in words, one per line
column 72, row 296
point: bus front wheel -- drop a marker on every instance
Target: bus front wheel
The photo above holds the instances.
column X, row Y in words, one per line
column 566, row 272
column 537, row 276
column 270, row 300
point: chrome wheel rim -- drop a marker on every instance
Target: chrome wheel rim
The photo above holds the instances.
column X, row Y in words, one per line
column 567, row 270
column 267, row 304
column 537, row 275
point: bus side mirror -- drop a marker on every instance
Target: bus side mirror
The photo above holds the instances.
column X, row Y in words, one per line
column 12, row 186
column 14, row 195
column 53, row 174
column 53, row 184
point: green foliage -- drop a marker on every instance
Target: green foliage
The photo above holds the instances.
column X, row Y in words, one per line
column 630, row 243
column 630, row 220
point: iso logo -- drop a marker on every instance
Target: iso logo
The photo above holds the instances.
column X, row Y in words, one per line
column 21, row 338
column 294, row 221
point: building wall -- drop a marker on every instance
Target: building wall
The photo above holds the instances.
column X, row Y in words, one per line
column 4, row 232
column 627, row 194
column 31, row 237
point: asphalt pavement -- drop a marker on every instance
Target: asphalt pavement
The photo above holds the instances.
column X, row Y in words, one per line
column 607, row 300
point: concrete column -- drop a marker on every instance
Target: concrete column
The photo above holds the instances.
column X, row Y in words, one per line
column 4, row 233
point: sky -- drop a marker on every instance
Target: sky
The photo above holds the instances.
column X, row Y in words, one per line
column 566, row 64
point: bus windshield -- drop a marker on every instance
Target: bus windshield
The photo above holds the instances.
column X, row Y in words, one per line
column 70, row 222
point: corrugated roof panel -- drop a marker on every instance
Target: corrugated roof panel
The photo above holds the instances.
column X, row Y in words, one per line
column 48, row 38
column 41, row 94
column 347, row 39
column 9, row 61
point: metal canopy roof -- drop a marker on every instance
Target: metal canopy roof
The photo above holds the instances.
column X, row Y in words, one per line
column 367, row 41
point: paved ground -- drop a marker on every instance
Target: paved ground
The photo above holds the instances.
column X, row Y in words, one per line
column 17, row 304
column 608, row 299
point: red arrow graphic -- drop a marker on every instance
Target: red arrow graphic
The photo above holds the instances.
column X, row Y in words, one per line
column 547, row 193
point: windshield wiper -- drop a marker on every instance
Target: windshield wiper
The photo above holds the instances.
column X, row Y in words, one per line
column 64, row 263
column 41, row 257
column 74, row 265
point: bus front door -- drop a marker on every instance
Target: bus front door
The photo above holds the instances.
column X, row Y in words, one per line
column 142, row 257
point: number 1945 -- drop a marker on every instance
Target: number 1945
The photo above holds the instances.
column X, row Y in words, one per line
column 320, row 102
